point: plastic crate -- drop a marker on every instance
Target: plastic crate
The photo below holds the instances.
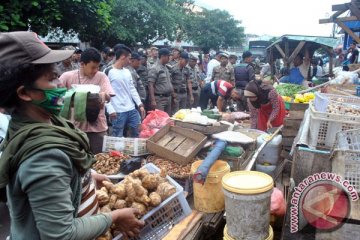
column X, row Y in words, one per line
column 325, row 126
column 160, row 220
column 322, row 100
column 130, row 146
column 346, row 156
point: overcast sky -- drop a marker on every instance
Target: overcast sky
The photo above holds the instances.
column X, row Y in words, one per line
column 278, row 17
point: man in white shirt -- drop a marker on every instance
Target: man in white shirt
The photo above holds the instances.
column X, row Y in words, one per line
column 122, row 108
column 211, row 65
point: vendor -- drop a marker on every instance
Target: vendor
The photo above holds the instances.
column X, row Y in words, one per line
column 299, row 72
column 218, row 91
column 46, row 161
column 267, row 108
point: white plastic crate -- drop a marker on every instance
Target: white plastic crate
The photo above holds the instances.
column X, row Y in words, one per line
column 130, row 146
column 325, row 126
column 346, row 156
column 161, row 219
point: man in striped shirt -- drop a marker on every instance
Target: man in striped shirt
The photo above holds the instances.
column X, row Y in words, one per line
column 218, row 91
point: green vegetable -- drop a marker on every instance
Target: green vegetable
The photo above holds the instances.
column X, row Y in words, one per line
column 288, row 89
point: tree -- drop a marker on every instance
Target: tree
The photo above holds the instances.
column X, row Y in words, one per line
column 86, row 17
column 214, row 29
column 145, row 21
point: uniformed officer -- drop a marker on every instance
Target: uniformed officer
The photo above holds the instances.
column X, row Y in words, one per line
column 160, row 87
column 153, row 58
column 181, row 83
column 224, row 71
column 133, row 66
column 195, row 79
column 176, row 51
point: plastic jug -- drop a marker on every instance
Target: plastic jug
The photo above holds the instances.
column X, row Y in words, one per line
column 270, row 154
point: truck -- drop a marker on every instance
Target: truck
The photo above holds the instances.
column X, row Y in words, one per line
column 258, row 49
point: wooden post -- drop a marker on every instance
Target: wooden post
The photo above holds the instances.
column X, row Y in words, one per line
column 287, row 53
column 296, row 51
column 348, row 30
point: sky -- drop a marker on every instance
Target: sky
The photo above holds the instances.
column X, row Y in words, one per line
column 278, row 17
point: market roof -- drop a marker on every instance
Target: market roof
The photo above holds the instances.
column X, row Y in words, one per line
column 312, row 42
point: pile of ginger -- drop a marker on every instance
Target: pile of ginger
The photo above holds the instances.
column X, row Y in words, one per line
column 140, row 189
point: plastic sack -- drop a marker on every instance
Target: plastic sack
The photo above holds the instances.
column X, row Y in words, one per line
column 277, row 205
column 153, row 122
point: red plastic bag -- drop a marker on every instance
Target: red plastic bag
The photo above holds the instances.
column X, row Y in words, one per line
column 277, row 205
column 153, row 122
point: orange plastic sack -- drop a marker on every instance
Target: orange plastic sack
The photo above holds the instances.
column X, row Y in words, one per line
column 277, row 205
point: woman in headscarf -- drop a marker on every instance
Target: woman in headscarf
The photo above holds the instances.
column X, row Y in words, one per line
column 267, row 108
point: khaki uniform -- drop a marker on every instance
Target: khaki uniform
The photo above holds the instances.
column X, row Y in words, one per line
column 195, row 79
column 223, row 73
column 160, row 76
column 143, row 74
column 151, row 62
column 173, row 62
column 137, row 83
column 179, row 78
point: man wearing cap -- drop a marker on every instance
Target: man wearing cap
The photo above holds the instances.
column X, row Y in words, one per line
column 46, row 161
column 218, row 91
column 159, row 82
column 195, row 80
column 108, row 58
column 181, row 83
column 76, row 57
column 244, row 73
column 211, row 65
column 232, row 59
column 153, row 58
column 223, row 71
column 67, row 64
column 133, row 66
column 122, row 109
column 89, row 74
column 175, row 55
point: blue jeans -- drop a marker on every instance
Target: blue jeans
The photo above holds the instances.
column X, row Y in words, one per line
column 124, row 119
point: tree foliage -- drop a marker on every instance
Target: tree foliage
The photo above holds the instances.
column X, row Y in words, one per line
column 214, row 29
column 86, row 17
column 145, row 21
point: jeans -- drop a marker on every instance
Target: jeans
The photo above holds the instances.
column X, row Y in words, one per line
column 206, row 95
column 130, row 119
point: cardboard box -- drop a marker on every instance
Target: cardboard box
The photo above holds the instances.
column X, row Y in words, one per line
column 176, row 144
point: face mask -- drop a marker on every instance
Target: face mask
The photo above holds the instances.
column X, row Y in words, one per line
column 53, row 101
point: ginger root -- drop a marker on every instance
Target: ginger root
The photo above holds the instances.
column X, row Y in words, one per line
column 106, row 236
column 155, row 199
column 139, row 189
column 103, row 197
column 143, row 199
column 112, row 200
column 120, row 203
column 151, row 181
column 165, row 190
column 105, row 209
column 141, row 207
column 119, row 190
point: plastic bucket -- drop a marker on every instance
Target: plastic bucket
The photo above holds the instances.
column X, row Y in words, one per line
column 228, row 237
column 247, row 204
column 209, row 198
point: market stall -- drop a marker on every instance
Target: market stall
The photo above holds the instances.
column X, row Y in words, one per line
column 206, row 175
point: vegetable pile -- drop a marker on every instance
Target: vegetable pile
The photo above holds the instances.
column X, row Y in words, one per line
column 173, row 169
column 288, row 89
column 109, row 163
column 140, row 189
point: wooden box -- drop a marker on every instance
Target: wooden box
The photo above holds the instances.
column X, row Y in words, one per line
column 176, row 144
column 205, row 129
